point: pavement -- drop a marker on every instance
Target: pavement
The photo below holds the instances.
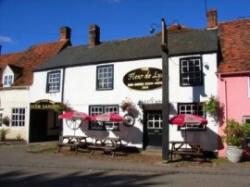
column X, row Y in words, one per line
column 22, row 168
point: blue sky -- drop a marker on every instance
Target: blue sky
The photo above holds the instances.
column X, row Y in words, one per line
column 24, row 23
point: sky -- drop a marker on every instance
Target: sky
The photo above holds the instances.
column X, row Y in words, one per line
column 24, row 23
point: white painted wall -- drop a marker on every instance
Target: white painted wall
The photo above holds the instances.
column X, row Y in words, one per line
column 15, row 98
column 38, row 88
column 7, row 71
column 80, row 92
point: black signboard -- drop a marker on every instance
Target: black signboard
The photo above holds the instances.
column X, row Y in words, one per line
column 143, row 78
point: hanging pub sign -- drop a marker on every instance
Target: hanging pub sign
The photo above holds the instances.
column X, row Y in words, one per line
column 143, row 78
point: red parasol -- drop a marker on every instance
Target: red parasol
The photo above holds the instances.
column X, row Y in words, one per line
column 107, row 117
column 183, row 119
column 74, row 115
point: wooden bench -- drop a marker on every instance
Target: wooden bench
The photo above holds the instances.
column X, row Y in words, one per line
column 108, row 145
column 185, row 149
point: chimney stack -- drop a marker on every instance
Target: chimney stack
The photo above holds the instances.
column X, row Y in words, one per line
column 94, row 35
column 65, row 33
column 212, row 19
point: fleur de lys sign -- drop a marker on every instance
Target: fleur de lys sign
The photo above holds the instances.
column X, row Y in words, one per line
column 143, row 78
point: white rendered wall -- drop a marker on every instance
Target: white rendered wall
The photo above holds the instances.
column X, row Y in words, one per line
column 80, row 92
column 15, row 98
column 38, row 88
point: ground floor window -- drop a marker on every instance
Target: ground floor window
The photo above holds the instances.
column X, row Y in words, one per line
column 100, row 109
column 191, row 108
column 246, row 119
column 18, row 117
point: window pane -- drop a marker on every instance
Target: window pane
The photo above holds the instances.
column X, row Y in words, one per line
column 105, row 77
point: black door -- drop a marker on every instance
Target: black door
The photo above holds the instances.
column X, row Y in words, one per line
column 153, row 128
column 38, row 125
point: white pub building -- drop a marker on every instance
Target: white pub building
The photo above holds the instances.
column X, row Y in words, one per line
column 99, row 77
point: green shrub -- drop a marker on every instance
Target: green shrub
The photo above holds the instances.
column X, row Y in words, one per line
column 235, row 133
column 212, row 106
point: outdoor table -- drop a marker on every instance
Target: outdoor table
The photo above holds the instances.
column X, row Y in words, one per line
column 74, row 142
column 185, row 149
column 111, row 145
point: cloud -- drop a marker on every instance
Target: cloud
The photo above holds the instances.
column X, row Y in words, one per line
column 5, row 39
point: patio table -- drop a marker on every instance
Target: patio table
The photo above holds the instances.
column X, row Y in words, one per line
column 185, row 149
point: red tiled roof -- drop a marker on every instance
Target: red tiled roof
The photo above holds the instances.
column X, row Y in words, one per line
column 28, row 60
column 234, row 39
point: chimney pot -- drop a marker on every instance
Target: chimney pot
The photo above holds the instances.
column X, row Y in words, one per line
column 65, row 33
column 212, row 19
column 94, row 35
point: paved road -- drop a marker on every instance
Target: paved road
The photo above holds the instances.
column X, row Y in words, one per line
column 19, row 168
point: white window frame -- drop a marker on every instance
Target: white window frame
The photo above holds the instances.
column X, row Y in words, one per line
column 100, row 109
column 191, row 127
column 185, row 63
column 53, row 81
column 8, row 80
column 105, row 77
column 154, row 120
column 245, row 118
column 18, row 117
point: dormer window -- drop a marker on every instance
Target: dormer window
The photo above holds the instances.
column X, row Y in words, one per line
column 8, row 80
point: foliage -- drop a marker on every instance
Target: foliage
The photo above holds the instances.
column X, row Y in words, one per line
column 126, row 105
column 60, row 107
column 3, row 133
column 246, row 130
column 235, row 133
column 212, row 106
column 6, row 120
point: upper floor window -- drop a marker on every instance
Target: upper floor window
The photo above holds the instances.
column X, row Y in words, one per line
column 104, row 77
column 53, row 81
column 7, row 80
column 18, row 117
column 191, row 71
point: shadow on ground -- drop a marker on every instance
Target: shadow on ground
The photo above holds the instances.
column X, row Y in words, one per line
column 21, row 178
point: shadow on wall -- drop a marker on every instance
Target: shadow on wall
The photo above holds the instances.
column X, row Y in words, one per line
column 131, row 135
column 77, row 179
column 208, row 139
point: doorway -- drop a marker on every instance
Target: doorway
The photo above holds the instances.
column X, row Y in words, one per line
column 153, row 129
column 44, row 125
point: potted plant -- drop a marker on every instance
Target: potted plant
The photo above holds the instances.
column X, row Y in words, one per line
column 3, row 133
column 235, row 137
column 212, row 106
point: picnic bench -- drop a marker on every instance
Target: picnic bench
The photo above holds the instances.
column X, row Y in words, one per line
column 185, row 149
column 107, row 145
column 74, row 142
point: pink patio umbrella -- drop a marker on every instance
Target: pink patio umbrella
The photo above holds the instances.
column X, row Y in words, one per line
column 182, row 120
column 73, row 117
column 107, row 117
